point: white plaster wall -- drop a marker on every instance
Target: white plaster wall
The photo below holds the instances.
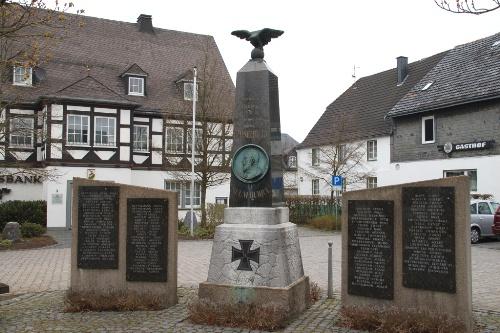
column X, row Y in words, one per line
column 487, row 171
column 378, row 168
column 56, row 213
column 22, row 191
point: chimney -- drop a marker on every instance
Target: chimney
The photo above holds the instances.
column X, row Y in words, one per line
column 402, row 69
column 145, row 23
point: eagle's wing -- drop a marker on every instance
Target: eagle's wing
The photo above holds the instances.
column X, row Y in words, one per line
column 243, row 34
column 267, row 34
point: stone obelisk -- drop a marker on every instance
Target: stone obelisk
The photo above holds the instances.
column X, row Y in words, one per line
column 256, row 253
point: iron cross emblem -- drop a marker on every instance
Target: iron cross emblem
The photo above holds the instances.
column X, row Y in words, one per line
column 245, row 255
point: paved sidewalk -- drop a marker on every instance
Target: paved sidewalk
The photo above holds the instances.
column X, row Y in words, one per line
column 43, row 312
column 49, row 268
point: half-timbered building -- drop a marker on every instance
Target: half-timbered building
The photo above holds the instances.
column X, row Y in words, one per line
column 114, row 102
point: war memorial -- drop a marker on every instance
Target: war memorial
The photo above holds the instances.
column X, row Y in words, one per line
column 256, row 254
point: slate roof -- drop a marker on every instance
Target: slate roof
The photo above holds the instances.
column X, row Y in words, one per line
column 87, row 62
column 359, row 113
column 468, row 73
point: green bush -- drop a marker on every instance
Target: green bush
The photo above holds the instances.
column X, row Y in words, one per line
column 305, row 207
column 5, row 243
column 325, row 222
column 22, row 212
column 29, row 230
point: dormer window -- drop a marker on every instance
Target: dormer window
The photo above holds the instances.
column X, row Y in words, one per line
column 188, row 91
column 292, row 161
column 136, row 86
column 22, row 76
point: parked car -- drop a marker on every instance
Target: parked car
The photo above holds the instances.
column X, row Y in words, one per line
column 484, row 215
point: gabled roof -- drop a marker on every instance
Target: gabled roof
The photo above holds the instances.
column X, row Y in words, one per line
column 359, row 113
column 134, row 70
column 468, row 73
column 105, row 49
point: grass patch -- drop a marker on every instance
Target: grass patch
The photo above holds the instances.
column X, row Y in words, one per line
column 394, row 320
column 111, row 301
column 27, row 243
column 325, row 222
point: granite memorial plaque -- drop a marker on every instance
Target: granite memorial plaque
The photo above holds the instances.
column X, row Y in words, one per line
column 429, row 238
column 147, row 239
column 98, row 227
column 371, row 248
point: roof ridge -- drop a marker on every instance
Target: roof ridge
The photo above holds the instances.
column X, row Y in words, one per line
column 84, row 15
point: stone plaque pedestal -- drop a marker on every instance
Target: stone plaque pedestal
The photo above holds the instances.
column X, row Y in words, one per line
column 256, row 259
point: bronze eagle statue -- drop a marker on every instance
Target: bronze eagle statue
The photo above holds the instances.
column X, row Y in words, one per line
column 258, row 39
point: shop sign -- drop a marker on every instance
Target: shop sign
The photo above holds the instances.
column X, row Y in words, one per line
column 478, row 145
column 20, row 179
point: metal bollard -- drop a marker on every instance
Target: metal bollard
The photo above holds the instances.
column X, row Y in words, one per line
column 330, row 273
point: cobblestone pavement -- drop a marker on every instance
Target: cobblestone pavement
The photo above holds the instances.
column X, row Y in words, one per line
column 48, row 268
column 43, row 312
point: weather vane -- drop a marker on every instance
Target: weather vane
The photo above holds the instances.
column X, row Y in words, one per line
column 258, row 39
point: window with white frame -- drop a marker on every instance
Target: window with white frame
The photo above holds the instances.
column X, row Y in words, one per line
column 136, row 86
column 21, row 132
column 77, row 130
column 472, row 173
column 198, row 139
column 315, row 156
column 183, row 190
column 141, row 138
column 22, row 76
column 292, row 161
column 221, row 201
column 371, row 150
column 105, row 129
column 428, row 130
column 371, row 182
column 174, row 139
column 315, row 186
column 188, row 91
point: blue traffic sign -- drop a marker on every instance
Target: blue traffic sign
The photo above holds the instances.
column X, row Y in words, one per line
column 337, row 181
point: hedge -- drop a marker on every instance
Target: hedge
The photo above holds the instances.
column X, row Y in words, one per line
column 303, row 208
column 22, row 212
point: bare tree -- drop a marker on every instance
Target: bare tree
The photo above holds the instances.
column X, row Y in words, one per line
column 340, row 157
column 29, row 30
column 475, row 7
column 215, row 104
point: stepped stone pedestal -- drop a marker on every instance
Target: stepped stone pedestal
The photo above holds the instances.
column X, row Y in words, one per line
column 256, row 259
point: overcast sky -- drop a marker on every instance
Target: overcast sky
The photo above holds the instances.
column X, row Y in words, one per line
column 323, row 40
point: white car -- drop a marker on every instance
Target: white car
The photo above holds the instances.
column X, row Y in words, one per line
column 482, row 215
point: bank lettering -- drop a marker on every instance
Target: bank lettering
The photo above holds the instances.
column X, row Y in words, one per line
column 21, row 179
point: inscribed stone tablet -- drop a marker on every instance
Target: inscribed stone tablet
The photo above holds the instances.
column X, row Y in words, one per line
column 429, row 238
column 147, row 240
column 98, row 227
column 371, row 248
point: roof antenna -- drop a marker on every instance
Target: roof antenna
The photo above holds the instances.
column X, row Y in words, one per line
column 354, row 71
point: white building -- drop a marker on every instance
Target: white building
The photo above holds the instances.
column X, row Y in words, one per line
column 114, row 103
column 437, row 117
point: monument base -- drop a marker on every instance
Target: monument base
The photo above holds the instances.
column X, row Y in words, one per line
column 293, row 299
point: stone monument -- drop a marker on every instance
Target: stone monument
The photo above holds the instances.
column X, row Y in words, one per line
column 256, row 253
column 409, row 246
column 12, row 231
column 125, row 240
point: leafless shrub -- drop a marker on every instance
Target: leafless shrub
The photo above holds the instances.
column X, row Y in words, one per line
column 394, row 320
column 267, row 317
column 111, row 301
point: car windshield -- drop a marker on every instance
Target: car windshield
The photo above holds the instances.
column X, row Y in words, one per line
column 495, row 206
